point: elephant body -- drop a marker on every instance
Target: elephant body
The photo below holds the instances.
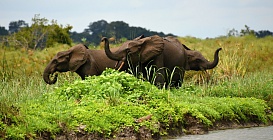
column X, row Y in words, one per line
column 174, row 60
column 167, row 55
column 79, row 59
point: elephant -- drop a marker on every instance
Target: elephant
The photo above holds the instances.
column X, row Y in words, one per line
column 167, row 55
column 195, row 60
column 79, row 59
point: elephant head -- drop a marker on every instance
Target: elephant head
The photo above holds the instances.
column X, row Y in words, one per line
column 64, row 61
column 196, row 61
column 139, row 50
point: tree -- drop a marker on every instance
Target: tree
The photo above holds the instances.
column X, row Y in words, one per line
column 58, row 34
column 15, row 26
column 95, row 31
column 41, row 34
column 233, row 32
column 3, row 31
column 247, row 31
column 117, row 29
column 98, row 27
column 263, row 33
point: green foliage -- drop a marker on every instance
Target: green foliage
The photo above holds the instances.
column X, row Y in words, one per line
column 3, row 31
column 116, row 29
column 257, row 85
column 248, row 32
column 40, row 34
column 117, row 84
column 59, row 34
column 15, row 26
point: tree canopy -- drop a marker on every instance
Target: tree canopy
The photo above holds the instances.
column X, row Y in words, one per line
column 116, row 29
column 40, row 34
column 3, row 31
column 15, row 26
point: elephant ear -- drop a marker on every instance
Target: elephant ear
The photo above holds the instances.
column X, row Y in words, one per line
column 151, row 47
column 63, row 56
column 78, row 57
column 186, row 47
column 140, row 37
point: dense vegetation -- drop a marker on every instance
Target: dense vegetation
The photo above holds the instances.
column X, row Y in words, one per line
column 117, row 104
column 117, row 30
column 41, row 33
column 45, row 34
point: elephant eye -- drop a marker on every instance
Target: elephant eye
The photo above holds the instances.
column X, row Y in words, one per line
column 198, row 60
column 55, row 61
column 128, row 51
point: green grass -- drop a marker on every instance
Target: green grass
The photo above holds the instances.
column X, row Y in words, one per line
column 105, row 104
column 239, row 90
column 258, row 85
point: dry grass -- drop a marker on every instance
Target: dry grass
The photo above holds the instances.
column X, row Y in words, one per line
column 239, row 56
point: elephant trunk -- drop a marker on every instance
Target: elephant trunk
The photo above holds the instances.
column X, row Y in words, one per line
column 108, row 51
column 213, row 64
column 46, row 77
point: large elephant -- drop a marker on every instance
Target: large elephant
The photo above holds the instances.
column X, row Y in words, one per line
column 168, row 55
column 79, row 59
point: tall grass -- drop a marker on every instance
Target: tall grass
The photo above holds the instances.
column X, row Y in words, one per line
column 17, row 63
column 240, row 56
column 21, row 75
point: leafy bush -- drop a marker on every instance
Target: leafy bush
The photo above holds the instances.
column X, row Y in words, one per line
column 40, row 35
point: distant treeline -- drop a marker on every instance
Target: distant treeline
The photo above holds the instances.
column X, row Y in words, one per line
column 41, row 33
column 248, row 31
column 118, row 30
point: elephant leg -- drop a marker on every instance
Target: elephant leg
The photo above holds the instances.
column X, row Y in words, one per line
column 88, row 70
column 160, row 76
column 177, row 78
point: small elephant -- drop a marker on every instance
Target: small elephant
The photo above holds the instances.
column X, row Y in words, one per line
column 195, row 60
column 79, row 59
column 170, row 58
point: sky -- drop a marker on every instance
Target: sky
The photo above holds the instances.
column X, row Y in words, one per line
column 197, row 18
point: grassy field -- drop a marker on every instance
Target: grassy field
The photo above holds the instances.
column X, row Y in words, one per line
column 238, row 90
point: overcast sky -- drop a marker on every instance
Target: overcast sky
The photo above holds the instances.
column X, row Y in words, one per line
column 198, row 18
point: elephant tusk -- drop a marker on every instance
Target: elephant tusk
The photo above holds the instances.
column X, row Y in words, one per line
column 116, row 64
column 121, row 65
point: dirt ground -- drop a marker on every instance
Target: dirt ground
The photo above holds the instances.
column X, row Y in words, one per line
column 191, row 126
